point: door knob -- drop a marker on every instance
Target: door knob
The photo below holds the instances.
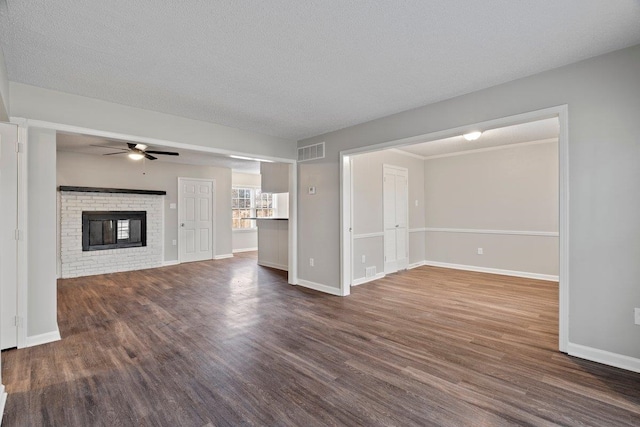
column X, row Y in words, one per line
column 397, row 225
column 182, row 224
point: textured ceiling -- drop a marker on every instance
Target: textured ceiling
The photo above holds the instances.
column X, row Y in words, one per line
column 525, row 132
column 295, row 69
column 84, row 144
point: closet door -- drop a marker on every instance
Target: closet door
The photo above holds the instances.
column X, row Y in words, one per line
column 395, row 210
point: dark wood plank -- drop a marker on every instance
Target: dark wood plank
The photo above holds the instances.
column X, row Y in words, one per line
column 230, row 343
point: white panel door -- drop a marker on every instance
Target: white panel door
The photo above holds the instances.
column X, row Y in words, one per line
column 195, row 212
column 395, row 209
column 8, row 226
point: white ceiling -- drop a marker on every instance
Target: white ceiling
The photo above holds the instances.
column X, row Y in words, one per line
column 77, row 143
column 525, row 132
column 299, row 68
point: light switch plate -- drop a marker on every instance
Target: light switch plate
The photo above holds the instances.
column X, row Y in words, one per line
column 637, row 315
column 172, row 205
column 312, row 190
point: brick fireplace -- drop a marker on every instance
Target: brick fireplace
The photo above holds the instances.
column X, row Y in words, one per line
column 113, row 206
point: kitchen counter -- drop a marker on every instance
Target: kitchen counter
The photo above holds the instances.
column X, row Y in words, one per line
column 273, row 242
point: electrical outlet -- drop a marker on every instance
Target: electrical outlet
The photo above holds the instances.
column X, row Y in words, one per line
column 637, row 315
column 364, row 259
column 416, row 202
column 172, row 205
column 174, row 242
column 311, row 262
column 480, row 251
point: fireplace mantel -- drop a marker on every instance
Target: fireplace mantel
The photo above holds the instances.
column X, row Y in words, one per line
column 111, row 190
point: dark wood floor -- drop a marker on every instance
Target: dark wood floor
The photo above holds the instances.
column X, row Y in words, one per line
column 229, row 343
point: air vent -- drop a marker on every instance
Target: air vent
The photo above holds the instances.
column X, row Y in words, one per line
column 311, row 152
column 370, row 271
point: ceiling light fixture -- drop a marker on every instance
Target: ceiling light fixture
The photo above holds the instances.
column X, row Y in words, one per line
column 472, row 136
column 136, row 156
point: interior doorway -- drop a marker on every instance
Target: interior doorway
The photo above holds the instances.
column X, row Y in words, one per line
column 348, row 260
column 8, row 236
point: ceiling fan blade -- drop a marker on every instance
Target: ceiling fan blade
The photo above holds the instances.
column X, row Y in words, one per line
column 149, row 156
column 111, row 148
column 166, row 153
column 111, row 154
column 131, row 145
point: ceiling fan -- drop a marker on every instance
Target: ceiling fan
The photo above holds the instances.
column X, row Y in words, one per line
column 137, row 151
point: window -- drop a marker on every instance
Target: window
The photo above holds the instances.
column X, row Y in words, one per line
column 250, row 203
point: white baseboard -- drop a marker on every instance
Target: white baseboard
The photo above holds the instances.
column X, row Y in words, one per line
column 3, row 400
column 605, row 357
column 415, row 265
column 525, row 274
column 43, row 338
column 273, row 265
column 363, row 280
column 319, row 287
column 235, row 251
column 172, row 262
column 224, row 256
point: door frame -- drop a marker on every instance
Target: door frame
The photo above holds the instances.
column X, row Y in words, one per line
column 384, row 239
column 23, row 129
column 213, row 213
column 561, row 112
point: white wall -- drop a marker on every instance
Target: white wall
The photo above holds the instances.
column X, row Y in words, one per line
column 42, row 104
column 75, row 262
column 603, row 98
column 41, row 234
column 244, row 240
column 4, row 90
column 514, row 188
column 86, row 170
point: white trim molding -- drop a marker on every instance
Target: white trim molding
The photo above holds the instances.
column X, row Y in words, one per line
column 363, row 280
column 415, row 265
column 171, row 262
column 368, row 235
column 502, row 232
column 406, row 153
column 3, row 401
column 273, row 265
column 45, row 338
column 319, row 287
column 605, row 357
column 417, row 230
column 525, row 274
column 235, row 251
column 223, row 256
column 497, row 147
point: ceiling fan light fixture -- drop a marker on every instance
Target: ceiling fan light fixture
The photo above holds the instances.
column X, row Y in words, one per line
column 136, row 156
column 472, row 136
column 141, row 147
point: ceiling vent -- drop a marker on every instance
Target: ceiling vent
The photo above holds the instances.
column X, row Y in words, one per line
column 311, row 152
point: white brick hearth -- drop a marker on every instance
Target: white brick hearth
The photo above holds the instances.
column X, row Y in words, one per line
column 75, row 263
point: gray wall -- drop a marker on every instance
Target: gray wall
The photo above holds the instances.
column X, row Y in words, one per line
column 367, row 208
column 42, row 104
column 120, row 172
column 603, row 95
column 514, row 188
column 41, row 298
column 4, row 90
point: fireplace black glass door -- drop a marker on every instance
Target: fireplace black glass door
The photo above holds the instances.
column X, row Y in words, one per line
column 111, row 230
